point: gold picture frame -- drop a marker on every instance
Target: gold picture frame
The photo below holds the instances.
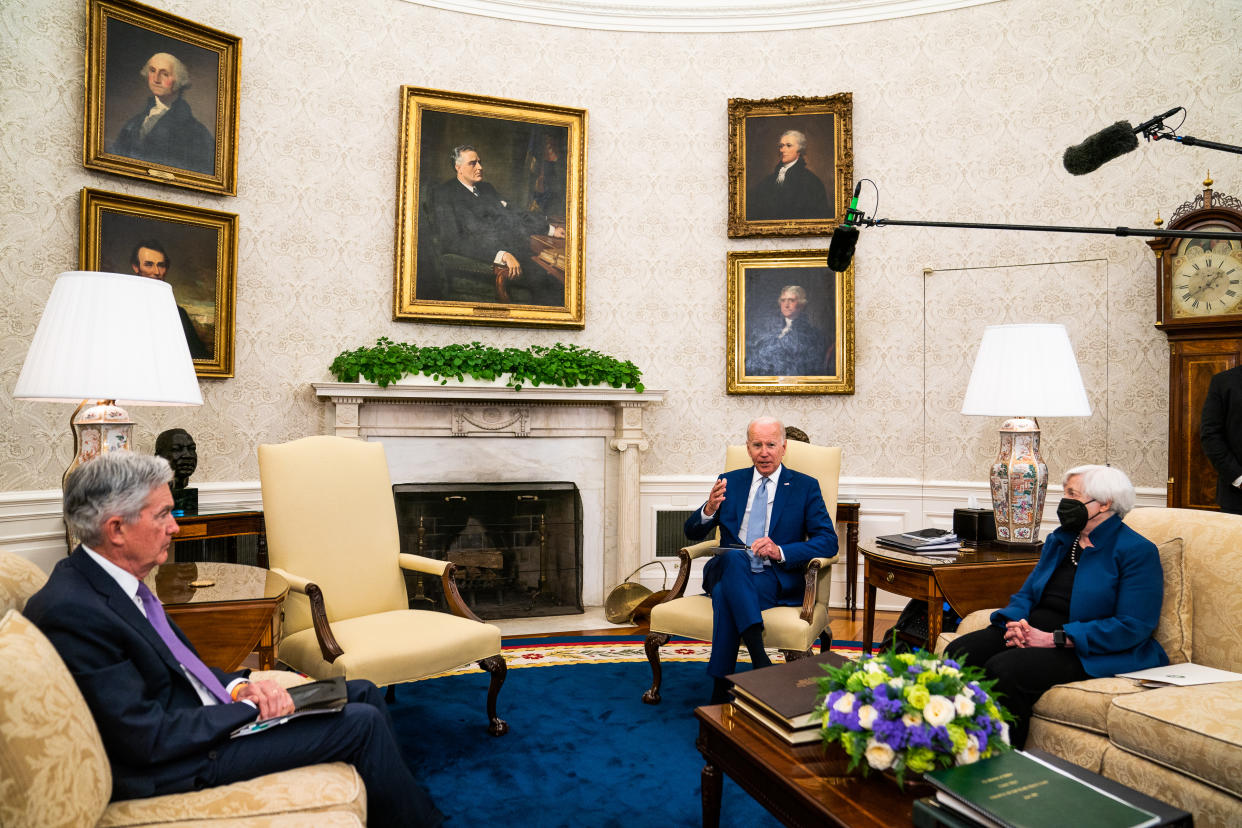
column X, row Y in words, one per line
column 191, row 248
column 190, row 139
column 809, row 196
column 452, row 244
column 790, row 324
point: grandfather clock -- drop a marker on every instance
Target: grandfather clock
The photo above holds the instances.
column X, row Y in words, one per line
column 1199, row 308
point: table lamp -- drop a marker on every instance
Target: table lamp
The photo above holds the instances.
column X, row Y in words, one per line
column 1029, row 370
column 108, row 338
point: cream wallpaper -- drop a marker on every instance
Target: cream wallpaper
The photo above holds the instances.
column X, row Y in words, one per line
column 958, row 115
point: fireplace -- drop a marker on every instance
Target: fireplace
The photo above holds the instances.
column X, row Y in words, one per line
column 517, row 546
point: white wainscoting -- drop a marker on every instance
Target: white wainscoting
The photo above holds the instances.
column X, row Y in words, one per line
column 886, row 506
column 31, row 525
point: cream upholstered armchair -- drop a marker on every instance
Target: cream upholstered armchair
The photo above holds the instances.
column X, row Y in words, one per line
column 792, row 630
column 54, row 771
column 332, row 532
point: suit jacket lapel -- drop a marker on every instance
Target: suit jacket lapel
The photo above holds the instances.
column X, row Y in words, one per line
column 123, row 606
column 781, row 498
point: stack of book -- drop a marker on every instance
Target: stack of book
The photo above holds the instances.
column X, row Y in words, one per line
column 1018, row 790
column 923, row 541
column 781, row 697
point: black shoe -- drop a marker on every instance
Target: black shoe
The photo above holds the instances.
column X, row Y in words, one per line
column 720, row 691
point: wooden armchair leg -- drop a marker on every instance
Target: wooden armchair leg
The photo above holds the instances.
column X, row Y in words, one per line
column 825, row 640
column 498, row 668
column 653, row 644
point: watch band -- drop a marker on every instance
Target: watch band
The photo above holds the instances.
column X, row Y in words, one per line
column 1058, row 638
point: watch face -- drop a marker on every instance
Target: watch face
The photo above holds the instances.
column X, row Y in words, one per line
column 1207, row 277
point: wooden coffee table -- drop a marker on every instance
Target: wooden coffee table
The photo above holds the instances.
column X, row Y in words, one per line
column 229, row 616
column 797, row 784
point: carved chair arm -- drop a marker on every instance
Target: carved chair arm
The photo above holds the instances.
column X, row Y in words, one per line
column 816, row 568
column 446, row 570
column 328, row 645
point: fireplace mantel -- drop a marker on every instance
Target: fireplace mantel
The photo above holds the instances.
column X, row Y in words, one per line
column 404, row 416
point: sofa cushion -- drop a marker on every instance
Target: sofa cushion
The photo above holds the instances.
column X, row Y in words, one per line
column 53, row 769
column 302, row 791
column 1084, row 704
column 1193, row 730
column 1173, row 629
column 19, row 579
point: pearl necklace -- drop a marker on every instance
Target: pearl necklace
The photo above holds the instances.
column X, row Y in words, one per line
column 1074, row 550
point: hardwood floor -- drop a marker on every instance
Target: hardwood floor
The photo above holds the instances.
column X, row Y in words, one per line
column 843, row 627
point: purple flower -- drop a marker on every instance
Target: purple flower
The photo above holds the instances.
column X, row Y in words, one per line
column 915, row 669
column 888, row 708
column 948, row 662
column 919, row 737
column 891, row 732
column 941, row 739
column 981, row 736
column 847, row 720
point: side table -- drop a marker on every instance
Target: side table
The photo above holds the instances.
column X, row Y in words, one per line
column 220, row 521
column 231, row 614
column 971, row 580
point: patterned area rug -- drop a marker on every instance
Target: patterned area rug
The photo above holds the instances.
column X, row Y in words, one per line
column 555, row 651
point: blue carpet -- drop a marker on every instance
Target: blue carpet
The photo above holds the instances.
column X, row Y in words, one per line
column 582, row 749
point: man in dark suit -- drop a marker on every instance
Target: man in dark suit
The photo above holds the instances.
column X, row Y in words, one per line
column 1221, row 436
column 165, row 131
column 164, row 716
column 472, row 220
column 791, row 191
column 777, row 520
column 787, row 344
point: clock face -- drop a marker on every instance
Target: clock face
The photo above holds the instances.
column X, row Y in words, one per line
column 1207, row 277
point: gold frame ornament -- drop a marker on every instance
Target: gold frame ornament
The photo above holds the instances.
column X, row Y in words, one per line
column 120, row 36
column 808, row 351
column 200, row 254
column 449, row 251
column 766, row 200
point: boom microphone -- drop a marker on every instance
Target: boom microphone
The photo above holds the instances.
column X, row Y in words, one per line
column 845, row 237
column 1107, row 144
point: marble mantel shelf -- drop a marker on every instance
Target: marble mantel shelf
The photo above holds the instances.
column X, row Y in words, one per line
column 453, row 392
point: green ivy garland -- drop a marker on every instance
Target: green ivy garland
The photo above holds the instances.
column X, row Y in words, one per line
column 386, row 362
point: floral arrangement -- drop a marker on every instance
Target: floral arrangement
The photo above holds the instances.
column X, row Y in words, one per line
column 911, row 712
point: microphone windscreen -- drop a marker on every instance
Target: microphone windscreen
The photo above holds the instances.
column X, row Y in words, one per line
column 1107, row 144
column 841, row 248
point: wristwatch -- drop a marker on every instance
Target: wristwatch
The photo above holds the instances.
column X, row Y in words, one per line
column 1058, row 638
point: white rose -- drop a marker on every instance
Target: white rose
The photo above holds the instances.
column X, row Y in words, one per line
column 897, row 683
column 844, row 704
column 964, row 704
column 912, row 719
column 866, row 716
column 879, row 755
column 939, row 711
column 970, row 754
column 1004, row 734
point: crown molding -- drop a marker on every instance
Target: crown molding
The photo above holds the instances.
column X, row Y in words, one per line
column 698, row 15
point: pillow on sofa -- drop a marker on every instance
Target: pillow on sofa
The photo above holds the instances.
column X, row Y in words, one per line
column 1173, row 629
column 53, row 769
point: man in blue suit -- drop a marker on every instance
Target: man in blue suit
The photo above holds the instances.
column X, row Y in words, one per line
column 776, row 521
column 165, row 717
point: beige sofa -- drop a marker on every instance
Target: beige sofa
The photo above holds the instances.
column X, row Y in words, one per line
column 54, row 772
column 1180, row 744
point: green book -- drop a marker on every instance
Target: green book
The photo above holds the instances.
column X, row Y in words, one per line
column 1017, row 790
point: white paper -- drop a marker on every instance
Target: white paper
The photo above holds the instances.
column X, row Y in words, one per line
column 1183, row 675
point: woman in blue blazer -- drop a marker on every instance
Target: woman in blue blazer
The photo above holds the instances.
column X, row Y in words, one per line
column 1088, row 609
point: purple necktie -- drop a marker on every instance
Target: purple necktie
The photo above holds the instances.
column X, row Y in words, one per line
column 183, row 654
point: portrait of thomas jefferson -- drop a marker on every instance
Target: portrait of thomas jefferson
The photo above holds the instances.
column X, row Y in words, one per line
column 785, row 338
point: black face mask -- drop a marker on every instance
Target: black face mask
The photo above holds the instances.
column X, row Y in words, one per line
column 1073, row 514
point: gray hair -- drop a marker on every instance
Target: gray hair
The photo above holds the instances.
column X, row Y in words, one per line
column 182, row 74
column 798, row 137
column 797, row 291
column 458, row 151
column 766, row 421
column 1104, row 484
column 114, row 484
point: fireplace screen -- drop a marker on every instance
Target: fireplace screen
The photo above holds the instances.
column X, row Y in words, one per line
column 517, row 546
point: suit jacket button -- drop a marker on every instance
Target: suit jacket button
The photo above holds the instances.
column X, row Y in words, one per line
column 211, row 754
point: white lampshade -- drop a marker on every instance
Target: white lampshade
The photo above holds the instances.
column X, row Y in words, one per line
column 1028, row 371
column 109, row 336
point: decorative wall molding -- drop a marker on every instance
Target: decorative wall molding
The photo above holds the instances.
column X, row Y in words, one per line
column 698, row 15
